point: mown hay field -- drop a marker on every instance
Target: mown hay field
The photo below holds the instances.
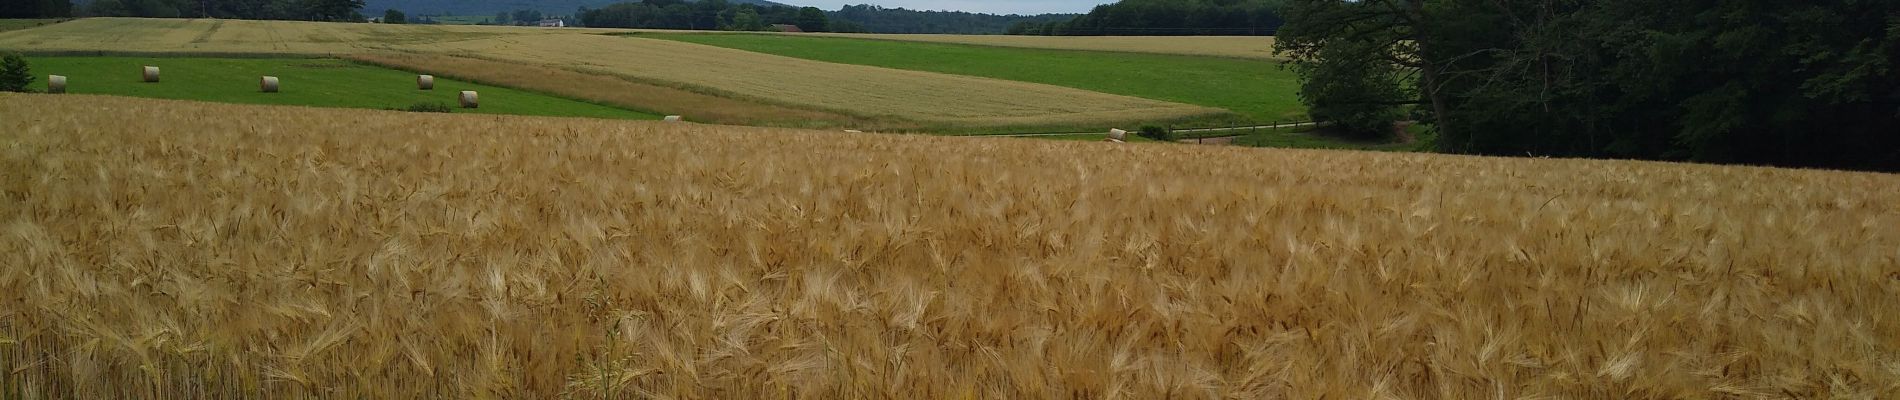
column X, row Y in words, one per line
column 220, row 36
column 157, row 249
column 1254, row 47
column 609, row 89
column 859, row 92
column 852, row 89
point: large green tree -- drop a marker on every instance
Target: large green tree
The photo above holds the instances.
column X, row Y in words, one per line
column 1733, row 81
column 812, row 19
column 745, row 19
column 15, row 75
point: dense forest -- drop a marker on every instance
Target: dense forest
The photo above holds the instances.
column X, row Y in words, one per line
column 490, row 7
column 1165, row 18
column 307, row 10
column 746, row 15
column 36, row 9
column 875, row 19
column 751, row 16
column 1774, row 82
column 706, row 15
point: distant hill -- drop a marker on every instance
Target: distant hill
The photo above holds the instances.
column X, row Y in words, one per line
column 490, row 7
column 760, row 3
column 856, row 18
column 875, row 19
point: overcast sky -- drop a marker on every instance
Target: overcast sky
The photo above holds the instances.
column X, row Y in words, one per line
column 978, row 6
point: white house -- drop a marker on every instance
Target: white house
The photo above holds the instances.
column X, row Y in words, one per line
column 553, row 23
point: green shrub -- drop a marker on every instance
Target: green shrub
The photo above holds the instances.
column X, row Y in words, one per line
column 426, row 107
column 15, row 75
column 1157, row 133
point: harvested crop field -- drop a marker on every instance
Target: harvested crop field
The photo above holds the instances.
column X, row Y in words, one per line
column 857, row 90
column 608, row 89
column 1256, row 47
column 15, row 24
column 158, row 249
column 218, row 36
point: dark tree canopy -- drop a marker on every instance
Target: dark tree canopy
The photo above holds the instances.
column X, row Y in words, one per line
column 1166, row 18
column 15, row 75
column 812, row 19
column 676, row 14
column 743, row 16
column 394, row 16
column 876, row 19
column 1808, row 83
column 36, row 8
column 308, row 10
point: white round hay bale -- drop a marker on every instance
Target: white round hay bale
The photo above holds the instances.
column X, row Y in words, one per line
column 267, row 84
column 470, row 100
column 674, row 118
column 1117, row 134
column 853, row 131
column 151, row 73
column 56, row 84
column 425, row 82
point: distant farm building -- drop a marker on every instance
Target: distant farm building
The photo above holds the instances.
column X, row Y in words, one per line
column 554, row 23
column 787, row 28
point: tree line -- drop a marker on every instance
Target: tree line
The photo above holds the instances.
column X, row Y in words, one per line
column 876, row 19
column 707, row 15
column 1165, row 18
column 1769, row 82
column 305, row 10
column 724, row 15
column 36, row 9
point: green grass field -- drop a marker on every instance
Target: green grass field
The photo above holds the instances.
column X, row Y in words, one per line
column 17, row 24
column 1261, row 91
column 305, row 82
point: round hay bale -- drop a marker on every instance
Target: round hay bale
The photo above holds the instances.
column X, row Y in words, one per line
column 151, row 73
column 56, row 84
column 425, row 82
column 267, row 84
column 470, row 100
column 1117, row 135
column 674, row 118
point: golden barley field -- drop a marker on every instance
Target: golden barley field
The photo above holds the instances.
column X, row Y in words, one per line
column 786, row 91
column 1256, row 47
column 162, row 249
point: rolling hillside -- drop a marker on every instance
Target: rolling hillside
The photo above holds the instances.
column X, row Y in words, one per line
column 897, row 98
